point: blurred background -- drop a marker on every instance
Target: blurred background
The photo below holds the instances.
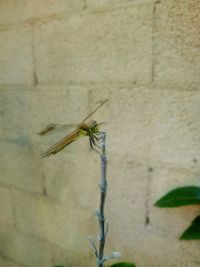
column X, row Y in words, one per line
column 58, row 60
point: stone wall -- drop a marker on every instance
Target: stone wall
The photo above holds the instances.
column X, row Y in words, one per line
column 58, row 59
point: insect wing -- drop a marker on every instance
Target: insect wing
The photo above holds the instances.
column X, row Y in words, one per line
column 62, row 143
column 95, row 110
column 53, row 128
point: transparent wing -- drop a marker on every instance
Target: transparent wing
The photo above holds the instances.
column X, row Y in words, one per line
column 53, row 128
column 62, row 143
column 101, row 104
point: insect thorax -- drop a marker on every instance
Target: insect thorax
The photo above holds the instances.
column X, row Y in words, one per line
column 89, row 129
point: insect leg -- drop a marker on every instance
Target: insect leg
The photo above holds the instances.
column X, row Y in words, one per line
column 93, row 137
column 92, row 144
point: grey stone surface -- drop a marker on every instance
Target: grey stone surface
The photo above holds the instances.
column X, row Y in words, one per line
column 24, row 249
column 176, row 36
column 8, row 263
column 96, row 48
column 104, row 5
column 6, row 207
column 26, row 11
column 16, row 59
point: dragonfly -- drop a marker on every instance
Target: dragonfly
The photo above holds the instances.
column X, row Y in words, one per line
column 90, row 129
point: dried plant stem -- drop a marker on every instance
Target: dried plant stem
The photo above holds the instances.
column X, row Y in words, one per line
column 103, row 189
column 103, row 224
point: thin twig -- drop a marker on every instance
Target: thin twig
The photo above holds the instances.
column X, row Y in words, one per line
column 92, row 242
column 103, row 224
column 103, row 190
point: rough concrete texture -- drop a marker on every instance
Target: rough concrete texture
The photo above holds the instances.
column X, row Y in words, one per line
column 78, row 43
column 177, row 43
column 16, row 61
column 8, row 263
column 106, row 5
column 58, row 59
column 26, row 11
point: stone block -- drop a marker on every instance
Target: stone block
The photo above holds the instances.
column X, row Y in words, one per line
column 23, row 114
column 104, row 5
column 14, row 108
column 31, row 217
column 12, row 12
column 149, row 248
column 104, row 47
column 18, row 166
column 16, row 58
column 175, row 129
column 148, row 124
column 127, row 116
column 65, row 257
column 54, row 9
column 6, row 210
column 26, row 112
column 65, row 225
column 73, row 175
column 8, row 263
column 126, row 199
column 24, row 249
column 59, row 104
column 176, row 47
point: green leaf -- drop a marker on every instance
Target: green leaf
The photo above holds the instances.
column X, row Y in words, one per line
column 193, row 232
column 188, row 195
column 123, row 264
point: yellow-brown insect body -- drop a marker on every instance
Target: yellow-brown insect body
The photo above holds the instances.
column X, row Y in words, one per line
column 89, row 129
column 84, row 129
